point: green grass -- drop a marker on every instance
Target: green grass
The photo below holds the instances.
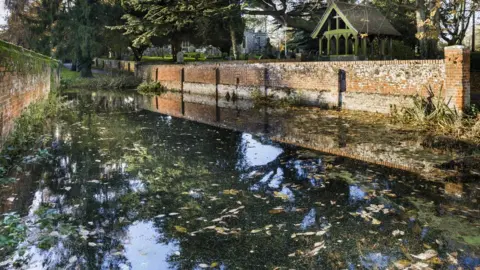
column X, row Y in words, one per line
column 168, row 59
column 67, row 74
column 114, row 81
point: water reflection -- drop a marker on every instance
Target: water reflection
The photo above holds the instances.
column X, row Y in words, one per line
column 139, row 190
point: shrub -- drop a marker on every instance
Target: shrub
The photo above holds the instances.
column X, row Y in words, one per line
column 151, row 88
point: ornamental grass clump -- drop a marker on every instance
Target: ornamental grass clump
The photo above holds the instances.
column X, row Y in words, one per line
column 434, row 113
column 430, row 112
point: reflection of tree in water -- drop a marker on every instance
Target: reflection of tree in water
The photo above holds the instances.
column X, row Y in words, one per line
column 134, row 167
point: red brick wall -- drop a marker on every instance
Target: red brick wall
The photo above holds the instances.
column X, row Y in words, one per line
column 457, row 75
column 17, row 91
column 200, row 74
column 379, row 77
column 371, row 85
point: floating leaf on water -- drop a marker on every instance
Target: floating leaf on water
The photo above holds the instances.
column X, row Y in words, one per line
column 214, row 264
column 72, row 259
column 452, row 258
column 67, row 188
column 160, row 216
column 426, row 255
column 402, row 264
column 398, row 232
column 91, row 244
column 293, row 235
column 376, row 221
column 55, row 234
column 203, row 265
column 291, row 254
column 230, row 192
column 181, row 229
column 256, row 230
column 174, row 214
column 276, row 210
column 280, row 195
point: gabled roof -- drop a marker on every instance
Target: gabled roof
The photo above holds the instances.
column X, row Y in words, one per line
column 360, row 18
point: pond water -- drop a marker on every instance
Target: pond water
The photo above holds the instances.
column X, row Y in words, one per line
column 126, row 188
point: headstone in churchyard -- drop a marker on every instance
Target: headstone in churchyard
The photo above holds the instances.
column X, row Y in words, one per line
column 180, row 57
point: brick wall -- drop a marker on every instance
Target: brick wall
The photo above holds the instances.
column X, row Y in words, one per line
column 114, row 64
column 19, row 88
column 370, row 85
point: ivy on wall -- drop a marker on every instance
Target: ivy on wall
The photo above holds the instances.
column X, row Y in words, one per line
column 17, row 59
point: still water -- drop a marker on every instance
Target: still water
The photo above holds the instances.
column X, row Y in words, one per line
column 127, row 188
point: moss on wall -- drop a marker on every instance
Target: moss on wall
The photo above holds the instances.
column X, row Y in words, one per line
column 17, row 59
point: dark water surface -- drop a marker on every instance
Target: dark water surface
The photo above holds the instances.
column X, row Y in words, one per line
column 127, row 188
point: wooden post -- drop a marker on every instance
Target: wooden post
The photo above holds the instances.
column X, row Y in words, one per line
column 337, row 43
column 217, row 82
column 328, row 45
column 156, row 74
column 320, row 46
column 364, row 47
column 265, row 80
column 382, row 47
column 182, row 79
column 355, row 47
column 390, row 47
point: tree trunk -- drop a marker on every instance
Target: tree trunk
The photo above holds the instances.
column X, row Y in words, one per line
column 86, row 68
column 176, row 48
column 74, row 65
column 137, row 53
column 421, row 33
column 233, row 39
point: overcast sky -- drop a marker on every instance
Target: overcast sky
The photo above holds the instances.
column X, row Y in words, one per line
column 3, row 12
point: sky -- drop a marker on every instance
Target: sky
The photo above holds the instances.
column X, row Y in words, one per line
column 3, row 12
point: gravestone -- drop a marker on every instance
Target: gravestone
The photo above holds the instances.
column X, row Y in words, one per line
column 180, row 58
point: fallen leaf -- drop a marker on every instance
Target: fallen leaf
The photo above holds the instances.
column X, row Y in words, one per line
column 72, row 259
column 181, row 229
column 280, row 195
column 376, row 221
column 230, row 192
column 426, row 255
